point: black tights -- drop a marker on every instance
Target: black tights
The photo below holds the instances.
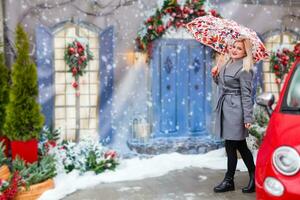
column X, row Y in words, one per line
column 231, row 146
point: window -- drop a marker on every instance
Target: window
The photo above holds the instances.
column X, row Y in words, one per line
column 273, row 43
column 73, row 114
column 292, row 99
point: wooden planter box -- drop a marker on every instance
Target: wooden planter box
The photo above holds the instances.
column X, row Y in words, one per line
column 34, row 191
column 4, row 172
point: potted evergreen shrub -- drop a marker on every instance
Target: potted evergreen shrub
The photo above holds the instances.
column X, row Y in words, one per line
column 4, row 89
column 23, row 121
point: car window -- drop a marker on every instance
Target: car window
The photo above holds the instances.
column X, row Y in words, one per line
column 293, row 92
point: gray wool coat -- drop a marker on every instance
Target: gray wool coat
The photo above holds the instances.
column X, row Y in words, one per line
column 234, row 105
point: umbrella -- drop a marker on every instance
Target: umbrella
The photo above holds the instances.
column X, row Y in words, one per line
column 220, row 33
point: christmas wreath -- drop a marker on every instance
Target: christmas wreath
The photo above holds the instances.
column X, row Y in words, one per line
column 77, row 57
column 173, row 13
column 282, row 60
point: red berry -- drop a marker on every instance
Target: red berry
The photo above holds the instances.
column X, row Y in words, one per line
column 276, row 67
column 160, row 29
column 71, row 50
column 75, row 84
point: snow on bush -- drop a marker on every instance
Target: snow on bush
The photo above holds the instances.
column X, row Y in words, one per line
column 87, row 155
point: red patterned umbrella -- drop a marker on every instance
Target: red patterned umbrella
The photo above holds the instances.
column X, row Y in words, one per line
column 220, row 33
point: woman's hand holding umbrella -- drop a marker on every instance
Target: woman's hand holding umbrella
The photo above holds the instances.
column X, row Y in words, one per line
column 215, row 71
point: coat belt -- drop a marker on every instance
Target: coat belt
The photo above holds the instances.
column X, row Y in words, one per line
column 224, row 92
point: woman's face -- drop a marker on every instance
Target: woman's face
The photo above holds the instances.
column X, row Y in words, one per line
column 237, row 50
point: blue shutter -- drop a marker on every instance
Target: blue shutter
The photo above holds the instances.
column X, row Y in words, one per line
column 258, row 79
column 155, row 88
column 44, row 56
column 258, row 75
column 106, row 57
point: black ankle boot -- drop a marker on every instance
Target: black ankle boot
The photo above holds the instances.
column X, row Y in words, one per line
column 226, row 185
column 251, row 185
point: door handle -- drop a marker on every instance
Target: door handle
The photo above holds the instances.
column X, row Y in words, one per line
column 168, row 87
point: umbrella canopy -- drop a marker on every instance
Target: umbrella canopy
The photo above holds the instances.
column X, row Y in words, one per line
column 220, row 33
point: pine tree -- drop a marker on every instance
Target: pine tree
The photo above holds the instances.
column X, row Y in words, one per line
column 4, row 89
column 24, row 120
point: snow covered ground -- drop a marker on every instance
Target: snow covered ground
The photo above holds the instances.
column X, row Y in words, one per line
column 137, row 169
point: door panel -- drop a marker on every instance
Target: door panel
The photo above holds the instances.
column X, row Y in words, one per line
column 196, row 88
column 168, row 89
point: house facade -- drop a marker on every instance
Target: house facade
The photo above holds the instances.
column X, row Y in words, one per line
column 123, row 100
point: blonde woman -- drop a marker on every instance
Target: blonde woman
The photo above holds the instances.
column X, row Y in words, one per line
column 234, row 111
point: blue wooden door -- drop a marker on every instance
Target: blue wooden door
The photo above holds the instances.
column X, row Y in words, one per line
column 179, row 88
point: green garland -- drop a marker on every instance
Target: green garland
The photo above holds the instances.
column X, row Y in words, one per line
column 77, row 57
column 281, row 62
column 171, row 15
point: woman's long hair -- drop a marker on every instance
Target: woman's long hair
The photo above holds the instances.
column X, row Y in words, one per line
column 247, row 60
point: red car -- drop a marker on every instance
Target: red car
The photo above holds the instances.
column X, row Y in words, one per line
column 277, row 173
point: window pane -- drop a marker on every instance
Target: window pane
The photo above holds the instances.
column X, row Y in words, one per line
column 93, row 123
column 60, row 77
column 94, row 88
column 71, row 100
column 93, row 43
column 71, row 124
column 93, row 65
column 95, row 54
column 293, row 97
column 84, row 89
column 71, row 32
column 61, row 33
column 70, row 134
column 71, row 113
column 93, row 34
column 60, row 113
column 60, row 100
column 59, row 43
column 84, row 100
column 84, row 113
column 70, row 89
column 83, row 32
column 93, row 112
column 60, row 65
column 84, row 123
column 94, row 100
column 60, row 124
column 93, row 77
column 60, row 88
column 69, row 77
column 59, row 54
